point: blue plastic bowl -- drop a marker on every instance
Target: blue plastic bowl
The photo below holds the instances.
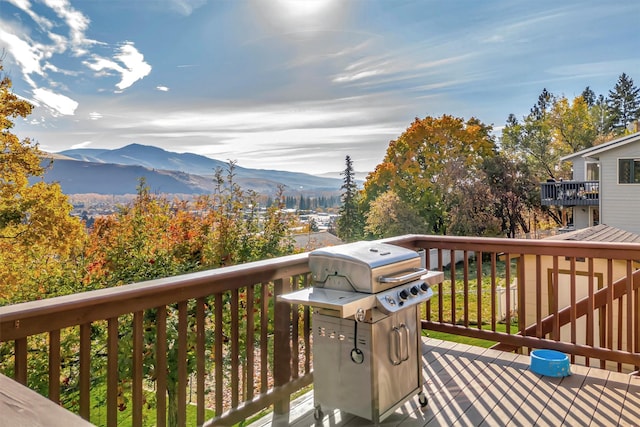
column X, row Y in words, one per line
column 550, row 363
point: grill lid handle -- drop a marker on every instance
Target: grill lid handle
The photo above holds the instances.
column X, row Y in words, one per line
column 415, row 273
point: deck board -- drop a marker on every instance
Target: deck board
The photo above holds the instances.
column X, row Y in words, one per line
column 472, row 386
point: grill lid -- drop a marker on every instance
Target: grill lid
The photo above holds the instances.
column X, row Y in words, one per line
column 357, row 277
column 371, row 254
column 369, row 267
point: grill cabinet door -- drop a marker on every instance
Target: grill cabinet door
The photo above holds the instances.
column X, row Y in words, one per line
column 396, row 365
column 389, row 375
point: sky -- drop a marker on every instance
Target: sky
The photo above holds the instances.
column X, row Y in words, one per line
column 298, row 85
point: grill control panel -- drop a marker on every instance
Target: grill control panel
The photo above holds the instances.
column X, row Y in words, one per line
column 409, row 294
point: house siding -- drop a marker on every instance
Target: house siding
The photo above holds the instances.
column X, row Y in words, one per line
column 580, row 214
column 579, row 166
column 619, row 203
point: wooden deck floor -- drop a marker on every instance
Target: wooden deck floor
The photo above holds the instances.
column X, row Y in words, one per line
column 473, row 386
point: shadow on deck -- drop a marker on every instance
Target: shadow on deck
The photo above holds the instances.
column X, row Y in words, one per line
column 474, row 386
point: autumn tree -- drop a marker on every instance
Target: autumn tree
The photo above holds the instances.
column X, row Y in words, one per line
column 389, row 216
column 350, row 222
column 38, row 237
column 40, row 243
column 474, row 214
column 416, row 166
column 532, row 140
column 514, row 194
column 573, row 125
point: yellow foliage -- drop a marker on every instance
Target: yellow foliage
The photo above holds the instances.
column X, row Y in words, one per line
column 37, row 233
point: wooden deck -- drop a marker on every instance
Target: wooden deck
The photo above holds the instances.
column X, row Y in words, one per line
column 23, row 407
column 473, row 386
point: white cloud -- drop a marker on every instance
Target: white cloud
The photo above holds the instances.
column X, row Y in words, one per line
column 186, row 7
column 60, row 104
column 95, row 115
column 25, row 6
column 162, row 88
column 81, row 145
column 26, row 55
column 135, row 68
column 76, row 21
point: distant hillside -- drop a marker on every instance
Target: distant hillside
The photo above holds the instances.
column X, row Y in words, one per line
column 118, row 172
column 148, row 156
column 159, row 159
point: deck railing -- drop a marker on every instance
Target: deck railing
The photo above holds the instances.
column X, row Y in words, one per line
column 581, row 298
column 221, row 337
column 228, row 315
column 570, row 193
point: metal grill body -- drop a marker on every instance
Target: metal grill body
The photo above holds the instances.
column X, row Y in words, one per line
column 366, row 335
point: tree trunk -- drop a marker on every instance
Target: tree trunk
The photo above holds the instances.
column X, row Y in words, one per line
column 172, row 403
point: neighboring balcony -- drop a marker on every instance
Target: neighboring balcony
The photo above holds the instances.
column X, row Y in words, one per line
column 230, row 349
column 570, row 193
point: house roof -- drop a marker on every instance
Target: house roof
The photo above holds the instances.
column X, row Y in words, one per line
column 599, row 233
column 315, row 240
column 597, row 149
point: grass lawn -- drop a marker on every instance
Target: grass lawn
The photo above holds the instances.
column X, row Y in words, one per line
column 99, row 412
column 500, row 327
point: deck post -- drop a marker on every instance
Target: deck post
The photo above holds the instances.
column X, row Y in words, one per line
column 282, row 347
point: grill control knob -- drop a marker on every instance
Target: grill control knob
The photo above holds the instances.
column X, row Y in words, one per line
column 424, row 287
column 403, row 294
column 414, row 290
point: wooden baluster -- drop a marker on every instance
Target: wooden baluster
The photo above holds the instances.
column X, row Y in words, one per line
column 136, row 386
column 235, row 348
column 465, row 279
column 85, row 371
column 200, row 359
column 452, row 267
column 264, row 337
column 161, row 366
column 112, row 372
column 182, row 363
column 295, row 354
column 493, row 292
column 54, row 366
column 282, row 344
column 20, row 367
column 218, row 354
column 508, row 302
column 249, row 343
column 440, row 289
column 479, row 289
column 539, row 296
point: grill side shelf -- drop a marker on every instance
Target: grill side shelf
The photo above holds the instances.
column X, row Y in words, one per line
column 344, row 303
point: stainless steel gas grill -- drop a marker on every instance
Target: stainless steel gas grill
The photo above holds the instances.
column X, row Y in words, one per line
column 366, row 329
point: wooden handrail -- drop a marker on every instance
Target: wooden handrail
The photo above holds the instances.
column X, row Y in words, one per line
column 34, row 317
column 600, row 299
column 629, row 253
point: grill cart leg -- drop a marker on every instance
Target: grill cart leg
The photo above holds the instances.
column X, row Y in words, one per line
column 422, row 399
column 317, row 413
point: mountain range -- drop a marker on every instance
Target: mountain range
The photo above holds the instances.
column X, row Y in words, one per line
column 118, row 171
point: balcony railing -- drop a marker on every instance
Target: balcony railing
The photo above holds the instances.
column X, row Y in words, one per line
column 581, row 298
column 570, row 193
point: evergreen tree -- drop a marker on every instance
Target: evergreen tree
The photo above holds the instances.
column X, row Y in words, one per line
column 601, row 119
column 545, row 101
column 589, row 96
column 350, row 223
column 624, row 103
